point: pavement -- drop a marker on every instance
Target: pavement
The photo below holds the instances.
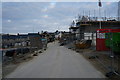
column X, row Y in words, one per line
column 56, row 62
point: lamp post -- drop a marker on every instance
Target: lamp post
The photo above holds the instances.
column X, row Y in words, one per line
column 100, row 5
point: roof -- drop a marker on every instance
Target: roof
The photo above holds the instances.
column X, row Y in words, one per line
column 7, row 36
column 73, row 27
column 34, row 34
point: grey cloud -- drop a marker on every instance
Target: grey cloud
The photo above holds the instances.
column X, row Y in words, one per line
column 26, row 16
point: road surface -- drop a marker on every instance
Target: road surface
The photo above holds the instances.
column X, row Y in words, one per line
column 57, row 62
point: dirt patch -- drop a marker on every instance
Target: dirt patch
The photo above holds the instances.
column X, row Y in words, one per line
column 101, row 60
column 10, row 66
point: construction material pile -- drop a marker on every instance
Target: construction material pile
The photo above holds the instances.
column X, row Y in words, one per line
column 83, row 44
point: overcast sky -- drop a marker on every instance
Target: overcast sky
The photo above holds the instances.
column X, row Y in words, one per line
column 24, row 17
column 58, row 0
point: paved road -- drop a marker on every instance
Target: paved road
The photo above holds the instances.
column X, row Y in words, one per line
column 56, row 62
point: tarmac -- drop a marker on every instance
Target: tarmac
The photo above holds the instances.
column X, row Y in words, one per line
column 56, row 62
